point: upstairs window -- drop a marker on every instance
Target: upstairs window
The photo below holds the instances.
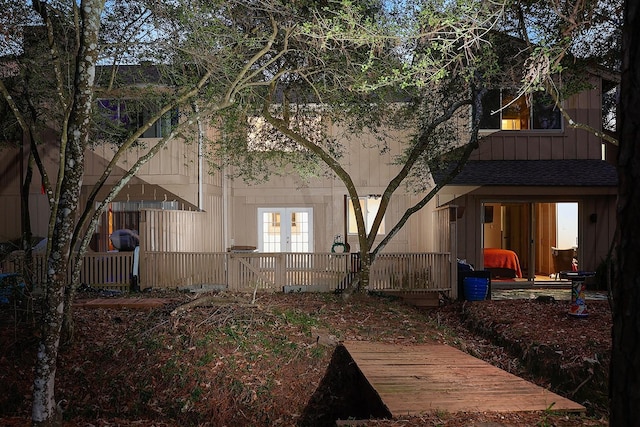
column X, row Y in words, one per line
column 126, row 116
column 262, row 136
column 502, row 111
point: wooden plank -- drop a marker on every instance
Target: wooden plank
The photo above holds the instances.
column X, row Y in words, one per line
column 412, row 380
column 116, row 303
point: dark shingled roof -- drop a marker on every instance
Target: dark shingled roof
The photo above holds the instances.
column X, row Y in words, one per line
column 554, row 173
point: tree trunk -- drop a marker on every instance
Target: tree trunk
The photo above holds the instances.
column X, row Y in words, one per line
column 625, row 355
column 365, row 270
column 27, row 268
column 72, row 161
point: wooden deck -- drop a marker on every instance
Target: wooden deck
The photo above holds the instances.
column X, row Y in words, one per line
column 412, row 380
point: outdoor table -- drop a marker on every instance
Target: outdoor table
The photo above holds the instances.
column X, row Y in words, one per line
column 578, row 306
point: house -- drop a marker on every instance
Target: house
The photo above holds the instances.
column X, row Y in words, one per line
column 536, row 183
column 530, row 165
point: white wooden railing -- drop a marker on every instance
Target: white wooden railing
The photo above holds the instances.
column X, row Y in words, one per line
column 294, row 271
column 239, row 271
column 100, row 270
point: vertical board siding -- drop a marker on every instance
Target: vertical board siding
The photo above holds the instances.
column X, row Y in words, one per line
column 178, row 231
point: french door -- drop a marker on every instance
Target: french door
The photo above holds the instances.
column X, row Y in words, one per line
column 285, row 229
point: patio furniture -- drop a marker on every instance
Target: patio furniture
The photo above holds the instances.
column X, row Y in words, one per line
column 563, row 260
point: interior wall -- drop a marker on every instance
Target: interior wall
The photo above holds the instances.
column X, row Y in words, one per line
column 516, row 231
column 546, row 232
column 493, row 230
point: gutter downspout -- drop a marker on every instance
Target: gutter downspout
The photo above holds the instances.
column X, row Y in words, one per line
column 225, row 209
column 200, row 157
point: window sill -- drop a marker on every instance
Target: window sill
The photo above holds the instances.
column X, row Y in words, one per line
column 525, row 132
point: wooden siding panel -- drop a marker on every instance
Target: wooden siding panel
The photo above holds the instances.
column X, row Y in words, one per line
column 539, row 144
column 179, row 231
column 544, row 147
column 595, row 144
column 533, row 148
column 485, row 150
column 498, row 149
column 557, row 148
column 596, row 235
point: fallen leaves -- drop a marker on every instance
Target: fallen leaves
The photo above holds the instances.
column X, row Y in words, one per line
column 238, row 364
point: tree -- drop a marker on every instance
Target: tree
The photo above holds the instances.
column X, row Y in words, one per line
column 625, row 363
column 417, row 72
column 207, row 56
column 568, row 40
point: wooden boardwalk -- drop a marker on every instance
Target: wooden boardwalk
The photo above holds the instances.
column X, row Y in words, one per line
column 412, row 380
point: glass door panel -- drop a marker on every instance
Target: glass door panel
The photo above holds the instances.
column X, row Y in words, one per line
column 285, row 229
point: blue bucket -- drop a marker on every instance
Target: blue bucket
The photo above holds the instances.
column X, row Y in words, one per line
column 475, row 288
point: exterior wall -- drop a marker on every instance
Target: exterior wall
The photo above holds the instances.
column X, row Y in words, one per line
column 175, row 174
column 10, row 228
column 566, row 143
column 328, row 214
column 595, row 237
column 596, row 216
column 370, row 168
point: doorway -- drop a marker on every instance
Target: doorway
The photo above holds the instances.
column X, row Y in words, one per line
column 531, row 229
column 285, row 229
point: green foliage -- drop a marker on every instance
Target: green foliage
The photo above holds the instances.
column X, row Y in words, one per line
column 297, row 318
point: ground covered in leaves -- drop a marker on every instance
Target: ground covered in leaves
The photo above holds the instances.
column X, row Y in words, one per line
column 276, row 361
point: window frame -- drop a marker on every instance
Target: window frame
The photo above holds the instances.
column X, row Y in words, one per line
column 533, row 113
column 368, row 214
column 116, row 111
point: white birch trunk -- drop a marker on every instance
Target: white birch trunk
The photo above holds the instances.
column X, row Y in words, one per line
column 44, row 411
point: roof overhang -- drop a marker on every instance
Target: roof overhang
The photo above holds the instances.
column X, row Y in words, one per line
column 530, row 179
column 534, row 173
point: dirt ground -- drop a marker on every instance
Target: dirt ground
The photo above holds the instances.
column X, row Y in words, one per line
column 232, row 362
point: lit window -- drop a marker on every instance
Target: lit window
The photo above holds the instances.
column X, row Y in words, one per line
column 370, row 206
column 262, row 136
column 501, row 111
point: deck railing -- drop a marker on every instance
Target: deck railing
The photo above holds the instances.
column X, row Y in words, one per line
column 413, row 271
column 100, row 270
column 240, row 271
column 294, row 271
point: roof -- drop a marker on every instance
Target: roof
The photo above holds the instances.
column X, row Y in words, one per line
column 553, row 173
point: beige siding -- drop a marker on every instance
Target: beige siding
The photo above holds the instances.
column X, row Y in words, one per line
column 180, row 231
column 10, row 228
column 371, row 170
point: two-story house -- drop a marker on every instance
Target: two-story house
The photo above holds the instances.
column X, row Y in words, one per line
column 530, row 170
column 537, row 183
